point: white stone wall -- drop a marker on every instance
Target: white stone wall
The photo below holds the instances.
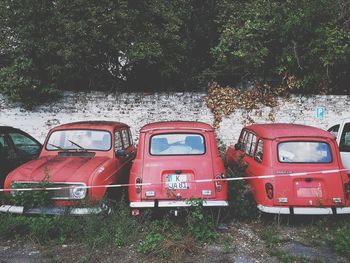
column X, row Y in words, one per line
column 137, row 109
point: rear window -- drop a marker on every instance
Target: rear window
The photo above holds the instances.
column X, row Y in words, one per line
column 177, row 144
column 304, row 152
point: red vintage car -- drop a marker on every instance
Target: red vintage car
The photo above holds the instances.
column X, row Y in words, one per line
column 307, row 172
column 80, row 156
column 171, row 156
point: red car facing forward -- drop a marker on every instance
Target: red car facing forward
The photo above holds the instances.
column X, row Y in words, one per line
column 171, row 156
column 296, row 155
column 81, row 156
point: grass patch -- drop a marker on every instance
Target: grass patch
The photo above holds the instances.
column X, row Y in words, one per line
column 153, row 237
column 272, row 236
column 333, row 232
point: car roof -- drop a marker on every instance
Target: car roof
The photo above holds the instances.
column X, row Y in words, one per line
column 10, row 128
column 171, row 125
column 91, row 125
column 2, row 128
column 278, row 130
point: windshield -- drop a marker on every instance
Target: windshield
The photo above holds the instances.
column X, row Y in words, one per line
column 79, row 140
column 304, row 152
column 177, row 144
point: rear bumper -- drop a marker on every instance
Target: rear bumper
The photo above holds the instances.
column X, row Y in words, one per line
column 10, row 209
column 211, row 203
column 303, row 210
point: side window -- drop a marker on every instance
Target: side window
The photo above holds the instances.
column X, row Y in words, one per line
column 249, row 143
column 259, row 153
column 125, row 137
column 4, row 148
column 344, row 145
column 118, row 141
column 334, row 130
column 252, row 147
column 241, row 137
column 24, row 144
column 130, row 137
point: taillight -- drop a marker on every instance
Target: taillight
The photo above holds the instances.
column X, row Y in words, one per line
column 138, row 185
column 218, row 184
column 347, row 190
column 269, row 190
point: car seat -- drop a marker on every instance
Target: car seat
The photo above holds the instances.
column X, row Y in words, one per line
column 159, row 144
column 195, row 142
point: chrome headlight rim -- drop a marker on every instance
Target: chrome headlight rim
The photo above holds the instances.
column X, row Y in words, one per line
column 78, row 192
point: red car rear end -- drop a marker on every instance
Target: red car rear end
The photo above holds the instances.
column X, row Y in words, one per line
column 177, row 161
column 306, row 173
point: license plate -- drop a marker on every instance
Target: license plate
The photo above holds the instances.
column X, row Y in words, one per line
column 177, row 181
column 309, row 192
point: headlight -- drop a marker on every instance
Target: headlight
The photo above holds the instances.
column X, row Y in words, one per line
column 78, row 193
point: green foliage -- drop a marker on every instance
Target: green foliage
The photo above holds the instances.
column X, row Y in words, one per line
column 42, row 228
column 332, row 232
column 241, row 199
column 284, row 257
column 267, row 38
column 341, row 239
column 152, row 241
column 31, row 199
column 47, row 47
column 199, row 225
column 169, row 239
column 165, row 238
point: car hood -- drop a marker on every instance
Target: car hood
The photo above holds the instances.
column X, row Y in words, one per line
column 58, row 169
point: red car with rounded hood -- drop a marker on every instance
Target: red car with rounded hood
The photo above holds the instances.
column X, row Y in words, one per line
column 78, row 155
column 171, row 156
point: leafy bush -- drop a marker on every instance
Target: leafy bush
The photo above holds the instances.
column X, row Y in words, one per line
column 341, row 239
column 241, row 199
column 273, row 39
column 199, row 224
column 30, row 199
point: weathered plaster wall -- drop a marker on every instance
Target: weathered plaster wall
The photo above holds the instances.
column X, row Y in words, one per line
column 137, row 109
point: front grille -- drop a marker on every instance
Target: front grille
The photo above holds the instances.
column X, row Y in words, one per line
column 59, row 194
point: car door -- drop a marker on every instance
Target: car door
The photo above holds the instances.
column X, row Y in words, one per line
column 344, row 145
column 9, row 159
column 25, row 147
column 124, row 152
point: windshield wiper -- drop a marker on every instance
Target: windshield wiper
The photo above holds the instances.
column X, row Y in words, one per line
column 58, row 147
column 81, row 147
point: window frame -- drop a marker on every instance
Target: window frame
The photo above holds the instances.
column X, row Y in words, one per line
column 121, row 141
column 256, row 150
column 79, row 129
column 329, row 130
column 317, row 163
column 342, row 139
column 166, row 133
column 131, row 142
column 124, row 130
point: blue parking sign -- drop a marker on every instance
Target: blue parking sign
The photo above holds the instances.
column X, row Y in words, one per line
column 320, row 112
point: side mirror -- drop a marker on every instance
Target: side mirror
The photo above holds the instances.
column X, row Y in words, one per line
column 237, row 146
column 120, row 153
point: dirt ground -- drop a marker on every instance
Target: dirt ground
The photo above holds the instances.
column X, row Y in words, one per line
column 263, row 240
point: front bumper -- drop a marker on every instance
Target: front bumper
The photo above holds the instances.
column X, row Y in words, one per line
column 10, row 209
column 144, row 204
column 303, row 210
